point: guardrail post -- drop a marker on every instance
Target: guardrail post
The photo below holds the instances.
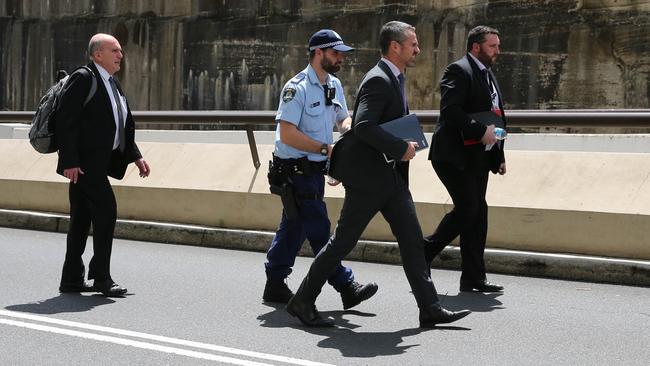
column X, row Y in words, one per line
column 253, row 146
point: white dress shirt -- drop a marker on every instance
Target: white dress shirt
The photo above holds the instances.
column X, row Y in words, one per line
column 493, row 93
column 392, row 67
column 105, row 75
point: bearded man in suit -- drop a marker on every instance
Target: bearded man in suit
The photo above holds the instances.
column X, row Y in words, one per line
column 464, row 151
column 95, row 141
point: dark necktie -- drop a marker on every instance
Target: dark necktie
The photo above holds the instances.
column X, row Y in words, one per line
column 486, row 74
column 120, row 114
column 402, row 82
column 488, row 79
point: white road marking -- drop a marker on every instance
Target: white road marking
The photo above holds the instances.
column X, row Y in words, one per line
column 128, row 342
column 153, row 337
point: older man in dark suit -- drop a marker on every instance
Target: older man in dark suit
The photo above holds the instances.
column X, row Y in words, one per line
column 95, row 140
column 373, row 167
column 464, row 151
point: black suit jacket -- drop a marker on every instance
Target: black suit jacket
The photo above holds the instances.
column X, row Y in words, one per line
column 358, row 157
column 464, row 90
column 85, row 135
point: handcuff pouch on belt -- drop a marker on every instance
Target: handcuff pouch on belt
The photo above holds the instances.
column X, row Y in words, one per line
column 280, row 175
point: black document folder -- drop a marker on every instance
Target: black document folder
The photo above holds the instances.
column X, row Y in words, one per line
column 487, row 118
column 408, row 129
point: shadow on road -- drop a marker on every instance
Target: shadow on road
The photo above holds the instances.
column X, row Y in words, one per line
column 344, row 338
column 63, row 303
column 474, row 301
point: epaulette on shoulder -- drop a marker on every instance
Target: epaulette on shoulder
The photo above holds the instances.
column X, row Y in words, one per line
column 336, row 81
column 298, row 78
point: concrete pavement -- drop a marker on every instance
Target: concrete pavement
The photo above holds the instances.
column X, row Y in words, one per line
column 190, row 305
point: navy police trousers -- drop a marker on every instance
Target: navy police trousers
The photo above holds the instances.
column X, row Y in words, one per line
column 312, row 224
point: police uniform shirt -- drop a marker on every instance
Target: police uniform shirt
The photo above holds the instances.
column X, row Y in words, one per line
column 302, row 103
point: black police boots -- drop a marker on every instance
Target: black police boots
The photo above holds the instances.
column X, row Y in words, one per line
column 355, row 293
column 276, row 291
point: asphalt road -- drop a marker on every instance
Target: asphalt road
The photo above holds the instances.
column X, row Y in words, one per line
column 202, row 306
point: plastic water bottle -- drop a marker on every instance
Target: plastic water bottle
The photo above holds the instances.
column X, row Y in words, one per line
column 332, row 181
column 500, row 133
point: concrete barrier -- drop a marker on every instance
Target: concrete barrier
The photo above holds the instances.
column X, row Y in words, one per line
column 586, row 203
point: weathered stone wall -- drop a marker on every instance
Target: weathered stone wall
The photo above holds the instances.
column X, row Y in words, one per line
column 237, row 54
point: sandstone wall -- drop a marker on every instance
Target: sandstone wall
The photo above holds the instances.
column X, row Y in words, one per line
column 237, row 54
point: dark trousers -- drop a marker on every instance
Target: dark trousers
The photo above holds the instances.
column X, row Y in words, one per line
column 91, row 202
column 359, row 207
column 312, row 224
column 469, row 217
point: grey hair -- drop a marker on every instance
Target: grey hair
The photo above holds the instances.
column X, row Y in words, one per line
column 93, row 45
column 96, row 42
column 393, row 31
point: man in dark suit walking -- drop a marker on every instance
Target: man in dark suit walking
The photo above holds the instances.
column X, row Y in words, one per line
column 464, row 151
column 373, row 167
column 95, row 140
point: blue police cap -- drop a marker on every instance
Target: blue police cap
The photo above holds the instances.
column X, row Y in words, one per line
column 327, row 38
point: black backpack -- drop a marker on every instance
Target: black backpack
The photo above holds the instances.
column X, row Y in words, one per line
column 41, row 134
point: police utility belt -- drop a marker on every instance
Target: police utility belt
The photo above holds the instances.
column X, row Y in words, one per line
column 301, row 166
column 280, row 175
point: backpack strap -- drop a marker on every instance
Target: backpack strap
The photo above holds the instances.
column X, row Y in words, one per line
column 93, row 83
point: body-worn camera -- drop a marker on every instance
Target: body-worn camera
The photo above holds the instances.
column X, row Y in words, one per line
column 330, row 93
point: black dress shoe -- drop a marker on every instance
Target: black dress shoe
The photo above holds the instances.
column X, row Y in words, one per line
column 307, row 314
column 355, row 293
column 480, row 286
column 109, row 288
column 75, row 287
column 277, row 291
column 436, row 314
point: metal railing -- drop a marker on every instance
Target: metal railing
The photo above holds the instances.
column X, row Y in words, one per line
column 248, row 120
column 516, row 118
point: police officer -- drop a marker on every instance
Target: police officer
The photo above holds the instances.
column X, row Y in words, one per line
column 310, row 105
